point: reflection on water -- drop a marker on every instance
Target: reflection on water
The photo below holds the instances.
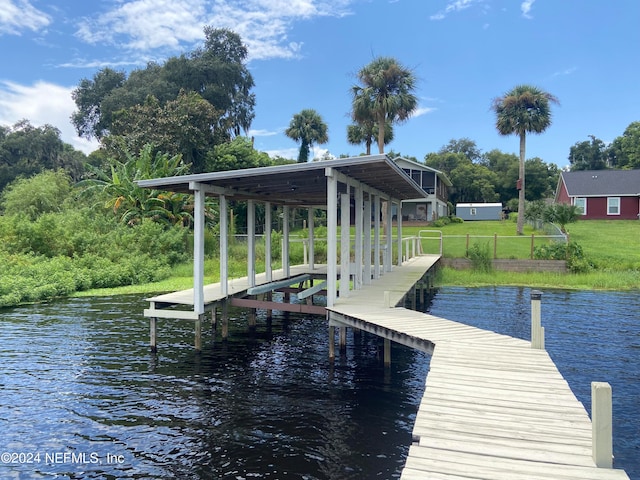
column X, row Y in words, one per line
column 82, row 392
column 591, row 336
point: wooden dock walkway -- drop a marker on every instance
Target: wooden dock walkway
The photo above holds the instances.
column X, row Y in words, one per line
column 493, row 406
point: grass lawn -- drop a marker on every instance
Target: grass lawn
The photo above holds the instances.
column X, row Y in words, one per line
column 612, row 245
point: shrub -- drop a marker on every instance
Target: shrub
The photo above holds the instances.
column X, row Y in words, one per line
column 480, row 256
column 572, row 252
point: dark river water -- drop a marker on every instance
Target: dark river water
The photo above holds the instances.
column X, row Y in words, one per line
column 81, row 396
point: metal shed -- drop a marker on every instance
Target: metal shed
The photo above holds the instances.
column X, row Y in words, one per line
column 479, row 211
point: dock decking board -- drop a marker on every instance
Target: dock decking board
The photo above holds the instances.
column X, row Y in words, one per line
column 493, row 407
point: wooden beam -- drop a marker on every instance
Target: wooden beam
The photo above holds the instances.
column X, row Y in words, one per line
column 269, row 287
column 312, row 291
column 284, row 307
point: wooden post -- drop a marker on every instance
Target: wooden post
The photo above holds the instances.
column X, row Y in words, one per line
column 345, row 243
column 467, row 249
column 285, row 241
column 376, row 236
column 224, row 245
column 251, row 243
column 153, row 324
column 537, row 332
column 601, row 424
column 332, row 234
column 532, row 245
column 214, row 321
column 267, row 242
column 198, row 334
column 495, row 246
column 366, row 276
column 225, row 320
column 332, row 343
column 343, row 339
column 311, row 225
column 387, row 352
column 269, row 311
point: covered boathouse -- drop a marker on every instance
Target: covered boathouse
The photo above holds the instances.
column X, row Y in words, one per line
column 357, row 187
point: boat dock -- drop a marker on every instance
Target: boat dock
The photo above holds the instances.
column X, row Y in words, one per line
column 494, row 407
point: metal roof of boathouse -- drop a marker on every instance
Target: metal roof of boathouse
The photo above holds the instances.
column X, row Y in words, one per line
column 300, row 184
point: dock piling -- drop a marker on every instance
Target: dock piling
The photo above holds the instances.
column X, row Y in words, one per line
column 537, row 331
column 601, row 423
column 153, row 342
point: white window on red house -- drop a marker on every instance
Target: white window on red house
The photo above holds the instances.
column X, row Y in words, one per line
column 581, row 203
column 613, row 205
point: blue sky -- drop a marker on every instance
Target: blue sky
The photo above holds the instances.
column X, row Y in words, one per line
column 305, row 54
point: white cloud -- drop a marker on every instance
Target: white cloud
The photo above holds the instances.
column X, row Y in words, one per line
column 263, row 133
column 20, row 15
column 452, row 7
column 145, row 25
column 422, row 111
column 526, row 8
column 42, row 103
column 567, row 71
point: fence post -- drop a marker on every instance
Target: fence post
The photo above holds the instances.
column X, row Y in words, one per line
column 467, row 251
column 537, row 332
column 601, row 424
column 532, row 245
column 495, row 246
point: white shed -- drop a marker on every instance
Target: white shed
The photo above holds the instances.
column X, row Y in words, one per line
column 479, row 211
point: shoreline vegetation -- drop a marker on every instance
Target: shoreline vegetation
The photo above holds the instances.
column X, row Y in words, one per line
column 611, row 249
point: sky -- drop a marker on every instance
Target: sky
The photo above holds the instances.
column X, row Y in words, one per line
column 306, row 54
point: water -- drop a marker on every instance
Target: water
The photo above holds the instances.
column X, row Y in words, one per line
column 82, row 397
column 79, row 388
column 591, row 336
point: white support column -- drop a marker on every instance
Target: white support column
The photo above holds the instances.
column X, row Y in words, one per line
column 198, row 251
column 388, row 254
column 332, row 235
column 345, row 243
column 310, row 222
column 285, row 241
column 376, row 236
column 366, row 274
column 359, row 195
column 399, row 232
column 224, row 245
column 601, row 424
column 267, row 242
column 251, row 243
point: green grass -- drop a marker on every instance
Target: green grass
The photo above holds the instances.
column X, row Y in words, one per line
column 613, row 245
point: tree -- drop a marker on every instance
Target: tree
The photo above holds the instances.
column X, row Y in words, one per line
column 367, row 133
column 216, row 71
column 119, row 191
column 385, row 94
column 234, row 155
column 625, row 150
column 562, row 214
column 26, row 150
column 588, row 155
column 182, row 126
column 465, row 146
column 307, row 127
column 524, row 109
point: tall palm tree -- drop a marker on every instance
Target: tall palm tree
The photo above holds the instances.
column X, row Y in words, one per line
column 524, row 109
column 385, row 93
column 307, row 127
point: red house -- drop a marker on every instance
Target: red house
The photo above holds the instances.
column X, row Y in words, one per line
column 602, row 194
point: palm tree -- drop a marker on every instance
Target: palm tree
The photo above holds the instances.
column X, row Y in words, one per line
column 524, row 109
column 307, row 127
column 386, row 95
column 366, row 133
